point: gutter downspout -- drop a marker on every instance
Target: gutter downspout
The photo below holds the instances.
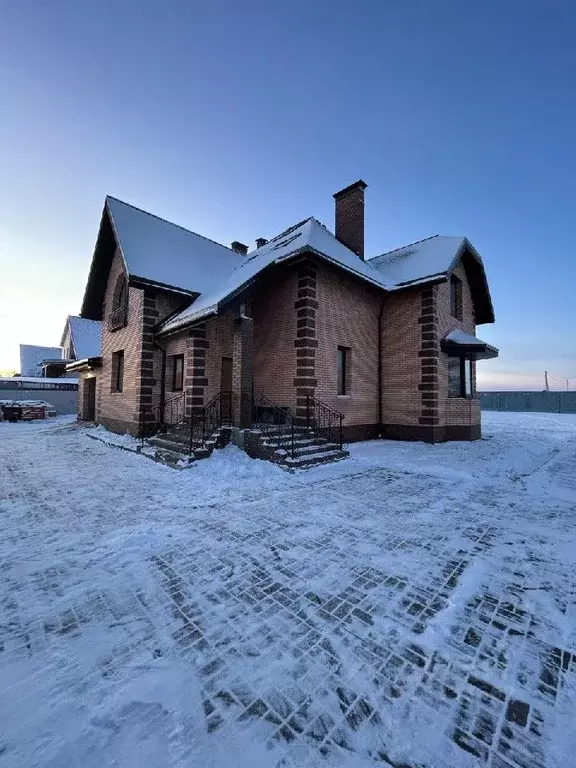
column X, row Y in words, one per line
column 380, row 313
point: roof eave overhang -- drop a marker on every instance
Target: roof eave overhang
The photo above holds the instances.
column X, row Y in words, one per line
column 143, row 282
column 473, row 351
column 483, row 307
column 430, row 280
column 85, row 365
column 100, row 267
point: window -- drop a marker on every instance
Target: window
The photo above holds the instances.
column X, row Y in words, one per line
column 118, row 371
column 460, row 377
column 343, row 372
column 456, row 297
column 120, row 293
column 119, row 312
column 177, row 373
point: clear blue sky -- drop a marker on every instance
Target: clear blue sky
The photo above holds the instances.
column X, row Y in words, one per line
column 237, row 119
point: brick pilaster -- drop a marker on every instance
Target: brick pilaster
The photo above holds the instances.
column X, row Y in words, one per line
column 306, row 343
column 429, row 354
column 242, row 371
column 195, row 380
column 147, row 382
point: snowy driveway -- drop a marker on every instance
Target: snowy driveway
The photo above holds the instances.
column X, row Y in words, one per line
column 412, row 606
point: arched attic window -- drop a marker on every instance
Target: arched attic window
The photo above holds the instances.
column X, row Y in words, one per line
column 119, row 314
column 120, row 298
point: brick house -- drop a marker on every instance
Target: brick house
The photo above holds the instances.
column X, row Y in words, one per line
column 388, row 342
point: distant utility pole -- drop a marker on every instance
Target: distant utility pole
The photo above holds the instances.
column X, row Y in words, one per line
column 546, row 380
column 567, row 385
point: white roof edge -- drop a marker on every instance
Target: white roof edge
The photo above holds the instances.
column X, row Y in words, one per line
column 188, row 320
column 438, row 276
column 165, row 286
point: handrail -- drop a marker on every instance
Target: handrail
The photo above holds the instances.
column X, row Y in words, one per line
column 169, row 413
column 206, row 419
column 324, row 420
column 269, row 417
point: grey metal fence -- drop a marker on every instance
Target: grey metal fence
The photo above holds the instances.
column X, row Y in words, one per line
column 64, row 402
column 542, row 402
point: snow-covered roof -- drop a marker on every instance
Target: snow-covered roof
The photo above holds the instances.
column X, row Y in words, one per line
column 461, row 337
column 424, row 260
column 309, row 236
column 86, row 336
column 466, row 342
column 31, row 357
column 161, row 252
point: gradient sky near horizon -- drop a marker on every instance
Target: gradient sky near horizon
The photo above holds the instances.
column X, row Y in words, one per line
column 238, row 119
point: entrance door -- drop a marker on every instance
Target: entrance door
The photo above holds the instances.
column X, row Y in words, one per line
column 89, row 399
column 226, row 390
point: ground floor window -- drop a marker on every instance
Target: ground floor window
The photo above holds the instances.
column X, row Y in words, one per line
column 118, row 371
column 460, row 377
column 343, row 367
column 177, row 373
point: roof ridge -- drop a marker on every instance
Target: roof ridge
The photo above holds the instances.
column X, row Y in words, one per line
column 287, row 231
column 408, row 245
column 172, row 224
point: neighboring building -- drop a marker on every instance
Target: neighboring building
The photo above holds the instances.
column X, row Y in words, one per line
column 32, row 357
column 81, row 339
column 389, row 342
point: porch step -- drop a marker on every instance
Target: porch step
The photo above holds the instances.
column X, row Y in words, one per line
column 316, row 448
column 171, row 458
column 283, row 442
column 180, row 449
column 305, row 461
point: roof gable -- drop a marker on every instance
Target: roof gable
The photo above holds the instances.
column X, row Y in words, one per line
column 31, row 356
column 418, row 261
column 85, row 335
column 307, row 236
column 155, row 251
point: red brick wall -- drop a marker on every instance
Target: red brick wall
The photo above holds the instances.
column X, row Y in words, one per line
column 347, row 316
column 401, row 364
column 120, row 411
column 219, row 333
column 275, row 319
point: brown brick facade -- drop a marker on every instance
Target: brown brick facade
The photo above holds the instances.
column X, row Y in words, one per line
column 347, row 316
column 456, row 412
column 301, row 314
column 120, row 411
column 275, row 326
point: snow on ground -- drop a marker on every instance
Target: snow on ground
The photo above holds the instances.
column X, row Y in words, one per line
column 411, row 606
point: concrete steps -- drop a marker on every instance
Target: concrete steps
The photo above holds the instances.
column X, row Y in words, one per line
column 312, row 460
column 172, row 447
column 310, row 449
column 275, row 444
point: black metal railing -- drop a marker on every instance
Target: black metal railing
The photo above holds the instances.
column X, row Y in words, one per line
column 205, row 420
column 163, row 415
column 324, row 421
column 269, row 418
column 118, row 318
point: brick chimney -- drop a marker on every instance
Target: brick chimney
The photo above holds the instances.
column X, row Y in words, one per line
column 260, row 241
column 350, row 216
column 239, row 247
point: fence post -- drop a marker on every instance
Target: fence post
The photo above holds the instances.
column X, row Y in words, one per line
column 340, row 436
